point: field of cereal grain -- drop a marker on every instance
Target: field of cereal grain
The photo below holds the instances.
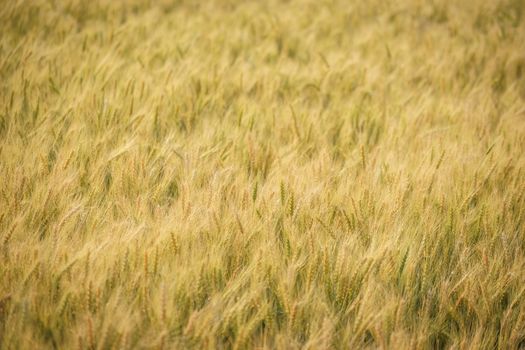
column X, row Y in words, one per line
column 230, row 174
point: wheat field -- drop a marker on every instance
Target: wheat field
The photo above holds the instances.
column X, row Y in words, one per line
column 273, row 174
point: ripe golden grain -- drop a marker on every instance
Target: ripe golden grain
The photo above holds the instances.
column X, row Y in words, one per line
column 278, row 174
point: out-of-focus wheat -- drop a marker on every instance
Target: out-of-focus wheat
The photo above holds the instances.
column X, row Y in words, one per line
column 279, row 174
